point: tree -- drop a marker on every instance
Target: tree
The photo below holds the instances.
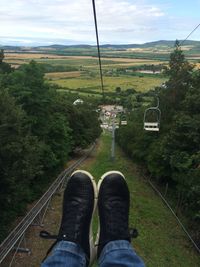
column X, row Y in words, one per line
column 118, row 90
column 39, row 128
column 1, row 55
column 20, row 154
column 173, row 156
column 4, row 67
column 180, row 76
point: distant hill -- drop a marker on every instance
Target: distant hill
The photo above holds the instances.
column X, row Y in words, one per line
column 152, row 44
column 171, row 43
column 10, row 47
column 163, row 43
column 57, row 46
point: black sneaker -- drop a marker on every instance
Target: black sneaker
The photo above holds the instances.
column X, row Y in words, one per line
column 78, row 207
column 113, row 208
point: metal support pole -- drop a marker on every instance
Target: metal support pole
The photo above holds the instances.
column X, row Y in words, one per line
column 20, row 249
column 166, row 189
column 13, row 258
column 37, row 221
column 113, row 143
column 41, row 215
column 45, row 211
column 61, row 188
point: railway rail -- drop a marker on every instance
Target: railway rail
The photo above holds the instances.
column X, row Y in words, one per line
column 18, row 232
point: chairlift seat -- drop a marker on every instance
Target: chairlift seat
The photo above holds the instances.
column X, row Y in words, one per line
column 123, row 122
column 151, row 126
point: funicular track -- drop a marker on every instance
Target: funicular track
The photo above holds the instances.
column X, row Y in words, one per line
column 41, row 206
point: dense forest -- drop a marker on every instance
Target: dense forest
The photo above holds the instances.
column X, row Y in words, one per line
column 39, row 130
column 172, row 155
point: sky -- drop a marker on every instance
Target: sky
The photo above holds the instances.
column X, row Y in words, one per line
column 46, row 22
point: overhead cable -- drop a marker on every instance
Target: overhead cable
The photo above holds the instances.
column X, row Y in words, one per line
column 190, row 34
column 98, row 48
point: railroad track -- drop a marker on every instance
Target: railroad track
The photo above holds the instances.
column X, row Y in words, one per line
column 15, row 235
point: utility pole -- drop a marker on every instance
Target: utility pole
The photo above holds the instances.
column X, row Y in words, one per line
column 113, row 142
column 122, row 122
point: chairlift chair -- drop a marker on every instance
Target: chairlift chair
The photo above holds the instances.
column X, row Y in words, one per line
column 152, row 124
column 123, row 120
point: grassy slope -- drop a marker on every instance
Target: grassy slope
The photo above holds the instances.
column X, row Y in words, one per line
column 161, row 242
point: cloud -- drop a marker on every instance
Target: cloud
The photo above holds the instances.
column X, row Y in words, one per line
column 119, row 21
column 74, row 19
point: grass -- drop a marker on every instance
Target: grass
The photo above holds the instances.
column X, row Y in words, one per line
column 62, row 75
column 161, row 242
column 110, row 83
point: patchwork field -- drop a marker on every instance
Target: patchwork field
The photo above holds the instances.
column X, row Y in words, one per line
column 20, row 58
column 82, row 72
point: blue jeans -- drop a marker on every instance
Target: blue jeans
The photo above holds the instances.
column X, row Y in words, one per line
column 116, row 253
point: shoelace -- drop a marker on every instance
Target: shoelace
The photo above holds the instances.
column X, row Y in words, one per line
column 67, row 230
column 47, row 235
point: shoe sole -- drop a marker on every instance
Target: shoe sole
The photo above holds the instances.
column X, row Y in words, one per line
column 98, row 188
column 91, row 239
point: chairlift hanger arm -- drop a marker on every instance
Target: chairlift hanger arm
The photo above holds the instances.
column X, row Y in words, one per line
column 155, row 110
column 158, row 103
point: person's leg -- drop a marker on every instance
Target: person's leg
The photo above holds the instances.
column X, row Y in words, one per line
column 66, row 254
column 114, row 247
column 74, row 242
column 119, row 253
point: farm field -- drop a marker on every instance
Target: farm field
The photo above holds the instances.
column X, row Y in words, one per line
column 141, row 84
column 85, row 72
column 63, row 75
column 20, row 58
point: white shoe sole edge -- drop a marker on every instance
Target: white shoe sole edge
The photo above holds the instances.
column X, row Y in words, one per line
column 98, row 187
column 91, row 239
